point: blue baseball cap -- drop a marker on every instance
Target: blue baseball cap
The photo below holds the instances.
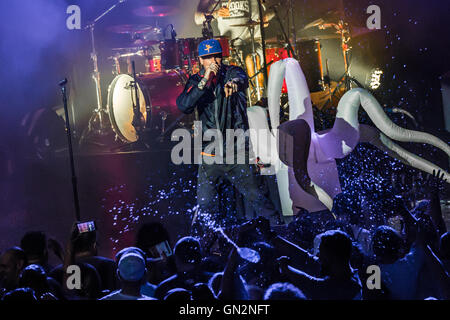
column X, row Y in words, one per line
column 208, row 47
column 131, row 267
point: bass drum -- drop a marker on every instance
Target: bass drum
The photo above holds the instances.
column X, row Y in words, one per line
column 157, row 98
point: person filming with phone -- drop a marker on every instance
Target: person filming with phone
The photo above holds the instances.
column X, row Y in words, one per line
column 83, row 248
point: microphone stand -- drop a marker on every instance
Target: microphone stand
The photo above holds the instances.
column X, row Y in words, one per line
column 62, row 84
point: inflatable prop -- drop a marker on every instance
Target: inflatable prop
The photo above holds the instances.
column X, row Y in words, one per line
column 304, row 160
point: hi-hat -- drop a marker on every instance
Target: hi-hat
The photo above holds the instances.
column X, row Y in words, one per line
column 156, row 11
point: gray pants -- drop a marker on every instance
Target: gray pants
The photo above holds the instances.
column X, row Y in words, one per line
column 243, row 177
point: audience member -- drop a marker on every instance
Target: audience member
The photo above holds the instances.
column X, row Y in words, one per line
column 188, row 257
column 12, row 262
column 131, row 271
column 283, row 291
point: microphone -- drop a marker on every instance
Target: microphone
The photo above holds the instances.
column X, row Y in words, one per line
column 173, row 32
column 212, row 77
column 63, row 82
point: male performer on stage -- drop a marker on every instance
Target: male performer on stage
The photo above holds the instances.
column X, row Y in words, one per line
column 218, row 93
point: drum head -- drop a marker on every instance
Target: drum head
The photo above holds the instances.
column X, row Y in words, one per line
column 121, row 98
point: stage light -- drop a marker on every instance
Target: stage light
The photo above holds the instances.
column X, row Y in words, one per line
column 373, row 80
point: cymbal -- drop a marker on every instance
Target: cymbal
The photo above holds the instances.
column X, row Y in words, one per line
column 329, row 17
column 130, row 28
column 156, row 11
column 315, row 23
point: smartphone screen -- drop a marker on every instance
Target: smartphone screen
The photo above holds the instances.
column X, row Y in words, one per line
column 86, row 226
column 161, row 249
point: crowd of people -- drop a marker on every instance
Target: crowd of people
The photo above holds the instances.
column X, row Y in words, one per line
column 315, row 257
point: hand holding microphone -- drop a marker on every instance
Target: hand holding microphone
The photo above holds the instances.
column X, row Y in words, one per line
column 214, row 68
column 211, row 73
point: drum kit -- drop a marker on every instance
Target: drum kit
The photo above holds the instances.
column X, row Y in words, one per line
column 141, row 104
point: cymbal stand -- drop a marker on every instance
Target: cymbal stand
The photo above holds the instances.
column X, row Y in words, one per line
column 99, row 114
column 255, row 61
column 293, row 29
column 263, row 42
column 285, row 36
column 346, row 80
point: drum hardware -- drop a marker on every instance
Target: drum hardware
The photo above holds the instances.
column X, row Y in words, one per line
column 285, row 36
column 139, row 122
column 99, row 115
column 157, row 97
column 263, row 43
column 252, row 64
column 260, row 71
column 255, row 61
column 207, row 30
column 346, row 80
column 293, row 29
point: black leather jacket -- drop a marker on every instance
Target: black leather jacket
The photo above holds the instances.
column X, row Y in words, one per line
column 214, row 110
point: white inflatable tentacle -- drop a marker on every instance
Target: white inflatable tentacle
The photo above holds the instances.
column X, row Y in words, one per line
column 300, row 106
column 275, row 83
column 348, row 110
column 378, row 139
column 323, row 197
